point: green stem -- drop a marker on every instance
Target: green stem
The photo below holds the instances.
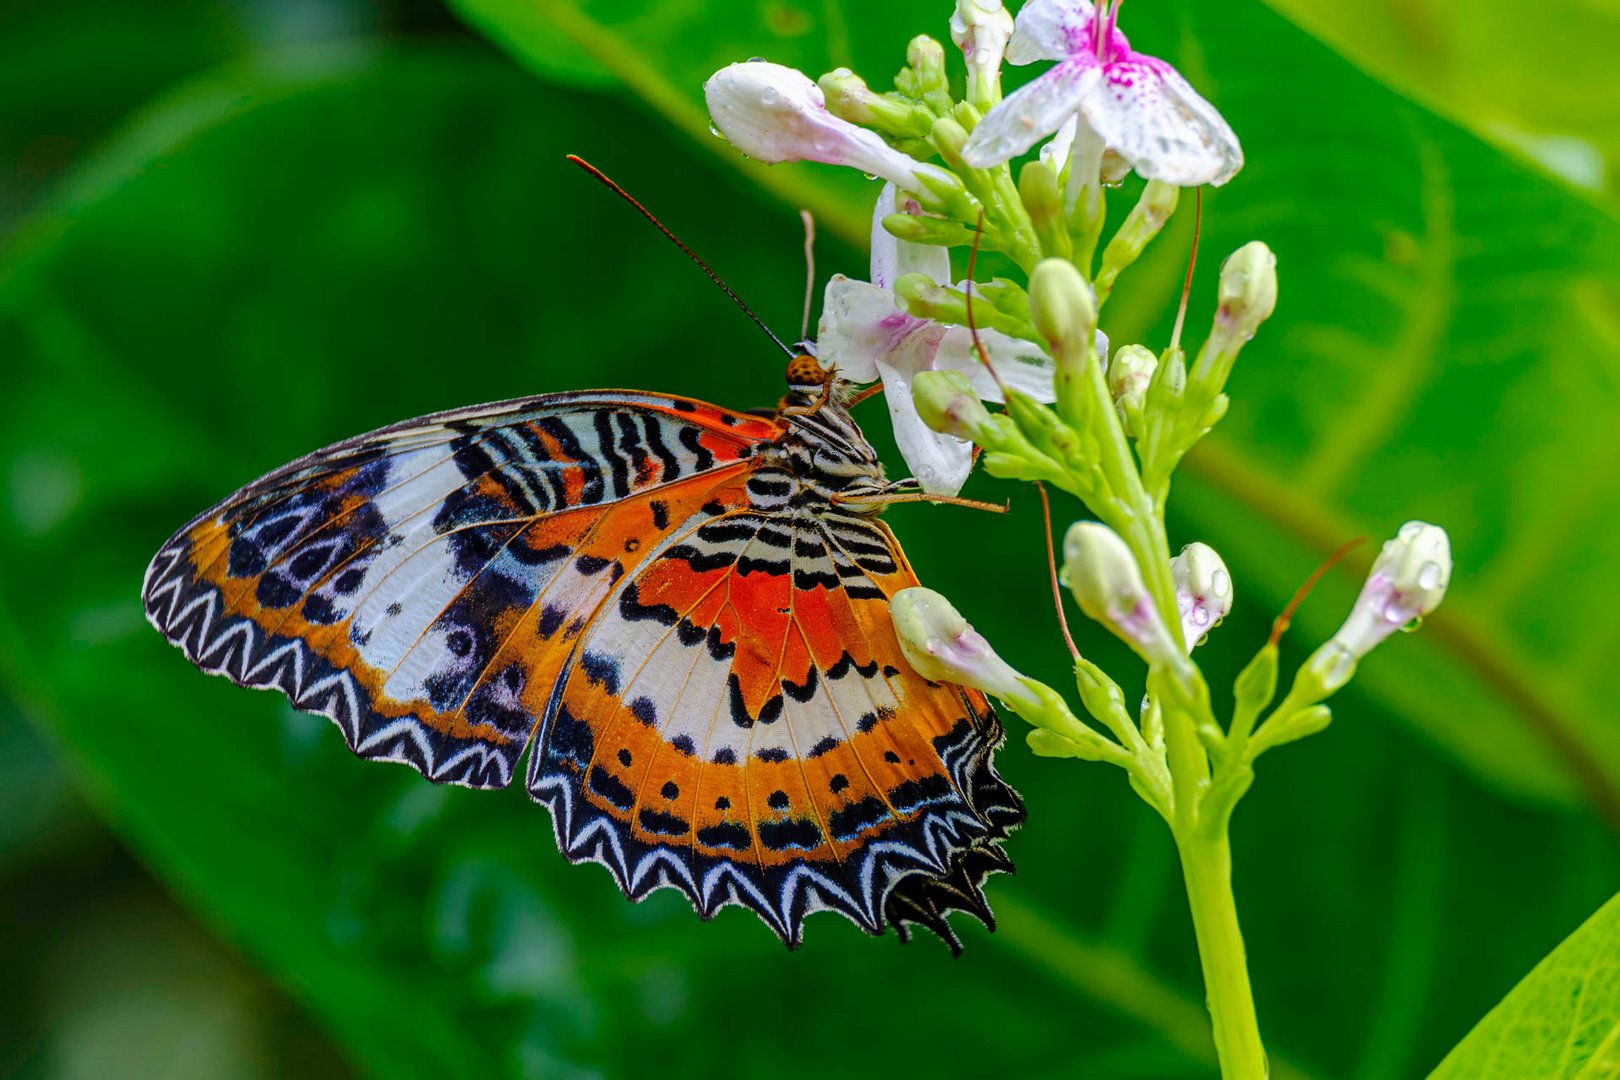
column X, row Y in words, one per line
column 1198, row 822
column 1206, row 865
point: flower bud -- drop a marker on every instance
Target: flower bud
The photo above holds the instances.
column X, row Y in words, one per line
column 1408, row 580
column 1296, row 726
column 1203, row 591
column 849, row 97
column 935, row 231
column 926, row 57
column 1107, row 583
column 1248, row 295
column 1129, row 373
column 981, row 29
column 1062, row 307
column 1042, row 197
column 946, row 402
column 943, row 647
column 776, row 114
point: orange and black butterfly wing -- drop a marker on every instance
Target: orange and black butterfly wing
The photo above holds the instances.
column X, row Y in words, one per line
column 714, row 692
column 423, row 585
column 739, row 723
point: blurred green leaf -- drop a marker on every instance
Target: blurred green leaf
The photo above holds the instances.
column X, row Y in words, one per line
column 1487, row 62
column 1446, row 346
column 284, row 255
column 1563, row 1020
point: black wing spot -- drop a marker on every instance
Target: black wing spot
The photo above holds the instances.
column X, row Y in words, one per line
column 601, row 671
column 591, row 564
column 610, row 788
column 644, row 710
column 825, row 746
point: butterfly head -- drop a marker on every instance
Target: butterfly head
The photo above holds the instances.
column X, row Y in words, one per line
column 804, row 371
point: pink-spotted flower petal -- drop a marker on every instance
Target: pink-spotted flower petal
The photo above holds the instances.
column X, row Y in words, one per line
column 1139, row 105
column 1050, row 30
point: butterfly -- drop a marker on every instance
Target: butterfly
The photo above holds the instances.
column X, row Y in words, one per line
column 679, row 611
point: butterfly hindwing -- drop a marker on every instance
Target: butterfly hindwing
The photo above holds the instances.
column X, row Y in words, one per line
column 422, row 585
column 741, row 725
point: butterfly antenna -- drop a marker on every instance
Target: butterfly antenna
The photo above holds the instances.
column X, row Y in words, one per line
column 661, row 227
column 1192, row 261
column 809, row 269
column 1280, row 626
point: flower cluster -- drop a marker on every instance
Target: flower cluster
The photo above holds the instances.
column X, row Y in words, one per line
column 1109, row 429
column 1104, row 107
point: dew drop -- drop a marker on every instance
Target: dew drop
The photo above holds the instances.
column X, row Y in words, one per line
column 756, row 60
column 1220, row 584
column 1410, row 530
column 1429, row 575
column 715, row 130
column 1413, row 624
column 871, row 175
column 1396, row 612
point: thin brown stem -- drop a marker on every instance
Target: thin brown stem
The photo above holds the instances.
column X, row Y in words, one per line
column 1051, row 564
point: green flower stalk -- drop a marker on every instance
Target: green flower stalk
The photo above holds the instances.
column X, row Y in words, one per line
column 1107, row 427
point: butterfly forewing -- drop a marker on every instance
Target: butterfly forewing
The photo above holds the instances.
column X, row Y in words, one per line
column 387, row 581
column 705, row 663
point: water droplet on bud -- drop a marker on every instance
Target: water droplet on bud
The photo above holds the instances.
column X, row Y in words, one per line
column 1429, row 575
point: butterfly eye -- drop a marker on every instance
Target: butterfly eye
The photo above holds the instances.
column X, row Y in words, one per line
column 805, row 370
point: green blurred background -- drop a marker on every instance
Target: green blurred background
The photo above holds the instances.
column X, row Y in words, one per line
column 236, row 230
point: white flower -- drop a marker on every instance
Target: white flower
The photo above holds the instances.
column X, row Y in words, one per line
column 867, row 335
column 1203, row 591
column 1138, row 105
column 1408, row 580
column 1106, row 582
column 775, row 114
